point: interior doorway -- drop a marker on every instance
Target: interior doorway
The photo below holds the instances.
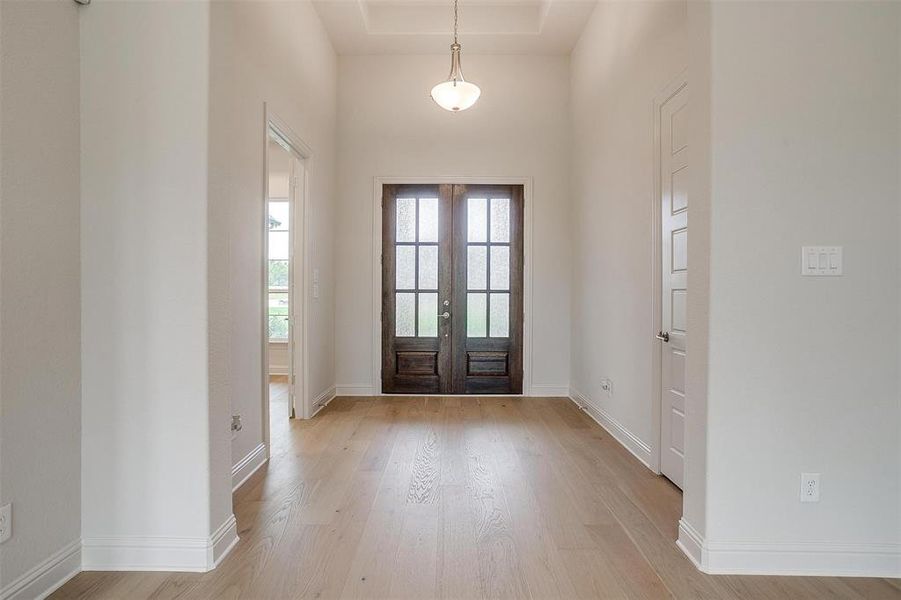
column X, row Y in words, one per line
column 452, row 289
column 284, row 276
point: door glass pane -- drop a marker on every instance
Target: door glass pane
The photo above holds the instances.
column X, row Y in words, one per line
column 500, row 315
column 278, row 273
column 500, row 219
column 428, row 267
column 428, row 219
column 278, row 315
column 278, row 328
column 278, row 216
column 476, row 315
column 405, row 268
column 500, row 267
column 278, row 303
column 428, row 315
column 406, row 220
column 278, row 245
column 405, row 314
column 476, row 267
column 477, row 219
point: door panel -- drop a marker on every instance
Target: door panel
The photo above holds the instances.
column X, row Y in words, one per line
column 488, row 267
column 452, row 262
column 416, row 281
column 674, row 269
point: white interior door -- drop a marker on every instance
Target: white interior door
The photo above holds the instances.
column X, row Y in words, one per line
column 674, row 269
column 295, row 347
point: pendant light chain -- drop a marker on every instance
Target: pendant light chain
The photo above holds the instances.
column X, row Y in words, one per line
column 455, row 21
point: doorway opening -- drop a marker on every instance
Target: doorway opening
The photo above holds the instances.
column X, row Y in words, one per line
column 452, row 289
column 285, row 276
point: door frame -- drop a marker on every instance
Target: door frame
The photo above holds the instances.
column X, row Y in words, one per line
column 378, row 182
column 273, row 124
column 673, row 88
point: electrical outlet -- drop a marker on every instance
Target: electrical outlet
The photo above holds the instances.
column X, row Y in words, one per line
column 607, row 386
column 236, row 424
column 810, row 487
column 6, row 522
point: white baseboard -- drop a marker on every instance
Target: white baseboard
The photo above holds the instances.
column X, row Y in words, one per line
column 222, row 541
column 691, row 543
column 159, row 553
column 827, row 559
column 46, row 577
column 549, row 390
column 354, row 389
column 322, row 400
column 629, row 440
column 248, row 465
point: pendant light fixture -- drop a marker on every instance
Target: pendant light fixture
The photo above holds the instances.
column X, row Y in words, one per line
column 456, row 93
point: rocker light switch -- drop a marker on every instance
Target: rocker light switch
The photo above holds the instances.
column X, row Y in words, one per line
column 821, row 261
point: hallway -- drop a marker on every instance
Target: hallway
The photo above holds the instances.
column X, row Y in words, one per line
column 438, row 498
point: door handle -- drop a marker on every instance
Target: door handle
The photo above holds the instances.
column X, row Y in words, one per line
column 445, row 315
column 663, row 336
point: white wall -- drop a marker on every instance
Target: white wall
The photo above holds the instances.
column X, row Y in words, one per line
column 278, row 53
column 40, row 324
column 146, row 434
column 803, row 372
column 628, row 53
column 388, row 126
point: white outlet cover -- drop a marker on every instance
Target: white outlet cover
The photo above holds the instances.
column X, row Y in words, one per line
column 810, row 487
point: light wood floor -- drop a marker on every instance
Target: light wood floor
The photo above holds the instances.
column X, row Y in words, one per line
column 456, row 498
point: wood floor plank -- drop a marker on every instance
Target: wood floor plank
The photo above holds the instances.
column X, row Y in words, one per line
column 592, row 577
column 415, row 564
column 500, row 572
column 372, row 567
column 616, row 549
column 457, row 563
column 455, row 498
column 426, row 471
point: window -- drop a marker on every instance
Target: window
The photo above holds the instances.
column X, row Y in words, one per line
column 279, row 265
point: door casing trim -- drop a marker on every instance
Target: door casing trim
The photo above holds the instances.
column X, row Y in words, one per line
column 274, row 124
column 378, row 182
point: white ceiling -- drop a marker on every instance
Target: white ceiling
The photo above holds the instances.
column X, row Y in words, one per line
column 426, row 26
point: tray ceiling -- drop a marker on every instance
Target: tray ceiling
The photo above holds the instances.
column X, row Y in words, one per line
column 426, row 26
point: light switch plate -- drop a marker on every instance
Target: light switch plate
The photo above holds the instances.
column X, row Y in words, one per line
column 821, row 261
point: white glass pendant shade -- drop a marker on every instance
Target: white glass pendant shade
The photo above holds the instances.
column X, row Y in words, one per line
column 456, row 93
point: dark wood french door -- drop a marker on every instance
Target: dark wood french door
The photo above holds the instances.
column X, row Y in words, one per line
column 452, row 280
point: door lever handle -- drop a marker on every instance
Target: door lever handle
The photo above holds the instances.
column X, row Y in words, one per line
column 662, row 335
column 445, row 315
